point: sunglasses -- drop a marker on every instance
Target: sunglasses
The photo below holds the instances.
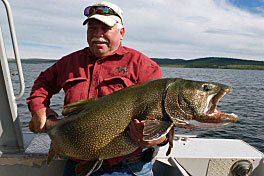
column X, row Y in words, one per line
column 102, row 10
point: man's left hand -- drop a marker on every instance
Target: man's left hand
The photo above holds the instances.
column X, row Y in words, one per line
column 136, row 134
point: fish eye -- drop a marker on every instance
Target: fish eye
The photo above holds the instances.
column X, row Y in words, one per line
column 207, row 87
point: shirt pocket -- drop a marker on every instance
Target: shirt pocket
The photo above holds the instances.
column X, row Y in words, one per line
column 75, row 89
column 113, row 84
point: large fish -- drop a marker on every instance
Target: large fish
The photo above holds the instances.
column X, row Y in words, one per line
column 95, row 129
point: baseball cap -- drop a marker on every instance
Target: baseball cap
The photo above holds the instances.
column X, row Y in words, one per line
column 106, row 12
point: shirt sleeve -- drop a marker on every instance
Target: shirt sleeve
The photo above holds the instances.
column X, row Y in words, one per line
column 44, row 87
column 148, row 70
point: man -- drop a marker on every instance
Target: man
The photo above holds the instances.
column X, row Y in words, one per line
column 95, row 71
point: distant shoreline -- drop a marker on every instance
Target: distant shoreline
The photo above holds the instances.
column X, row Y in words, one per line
column 212, row 62
column 238, row 67
column 207, row 62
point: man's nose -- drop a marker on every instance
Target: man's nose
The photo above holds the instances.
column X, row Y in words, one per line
column 98, row 32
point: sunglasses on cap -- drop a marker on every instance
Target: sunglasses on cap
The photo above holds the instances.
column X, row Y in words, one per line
column 101, row 10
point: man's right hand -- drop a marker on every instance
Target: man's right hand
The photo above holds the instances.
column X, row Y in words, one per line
column 39, row 119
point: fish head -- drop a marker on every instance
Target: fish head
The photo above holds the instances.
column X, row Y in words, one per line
column 192, row 104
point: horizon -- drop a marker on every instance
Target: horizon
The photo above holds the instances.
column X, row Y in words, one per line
column 152, row 58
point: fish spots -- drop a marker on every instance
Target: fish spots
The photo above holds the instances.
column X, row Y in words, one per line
column 97, row 129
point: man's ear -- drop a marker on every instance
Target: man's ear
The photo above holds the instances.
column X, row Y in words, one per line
column 122, row 32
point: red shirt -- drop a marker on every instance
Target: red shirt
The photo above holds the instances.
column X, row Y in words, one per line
column 82, row 76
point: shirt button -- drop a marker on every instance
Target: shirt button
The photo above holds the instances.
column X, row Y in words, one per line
column 99, row 61
column 95, row 79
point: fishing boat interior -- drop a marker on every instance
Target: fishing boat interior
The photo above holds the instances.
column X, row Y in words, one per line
column 25, row 153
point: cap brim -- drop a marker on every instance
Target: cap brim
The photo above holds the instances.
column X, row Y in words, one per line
column 110, row 20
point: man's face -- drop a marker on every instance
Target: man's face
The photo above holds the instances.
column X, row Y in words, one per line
column 103, row 40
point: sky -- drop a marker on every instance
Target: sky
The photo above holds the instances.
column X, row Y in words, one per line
column 176, row 29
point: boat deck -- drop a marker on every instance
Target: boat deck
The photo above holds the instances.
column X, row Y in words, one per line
column 189, row 156
column 32, row 161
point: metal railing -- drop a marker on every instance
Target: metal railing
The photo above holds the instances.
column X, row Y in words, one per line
column 15, row 48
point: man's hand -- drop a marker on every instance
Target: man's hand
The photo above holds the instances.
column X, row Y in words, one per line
column 136, row 133
column 39, row 119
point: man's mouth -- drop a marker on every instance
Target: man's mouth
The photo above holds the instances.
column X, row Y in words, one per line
column 100, row 40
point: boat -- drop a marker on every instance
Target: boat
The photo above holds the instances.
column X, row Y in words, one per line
column 25, row 153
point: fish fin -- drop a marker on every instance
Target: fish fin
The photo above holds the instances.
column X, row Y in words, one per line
column 170, row 136
column 87, row 167
column 155, row 129
column 51, row 155
column 76, row 107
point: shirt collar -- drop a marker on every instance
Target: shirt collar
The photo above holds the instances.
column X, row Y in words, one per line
column 121, row 50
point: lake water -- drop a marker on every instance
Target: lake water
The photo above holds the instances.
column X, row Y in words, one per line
column 246, row 100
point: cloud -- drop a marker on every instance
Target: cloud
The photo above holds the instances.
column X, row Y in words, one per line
column 260, row 9
column 196, row 28
column 172, row 28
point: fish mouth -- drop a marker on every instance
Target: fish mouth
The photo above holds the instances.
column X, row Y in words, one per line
column 211, row 116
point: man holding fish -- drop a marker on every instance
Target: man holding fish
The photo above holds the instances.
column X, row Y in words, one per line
column 96, row 71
